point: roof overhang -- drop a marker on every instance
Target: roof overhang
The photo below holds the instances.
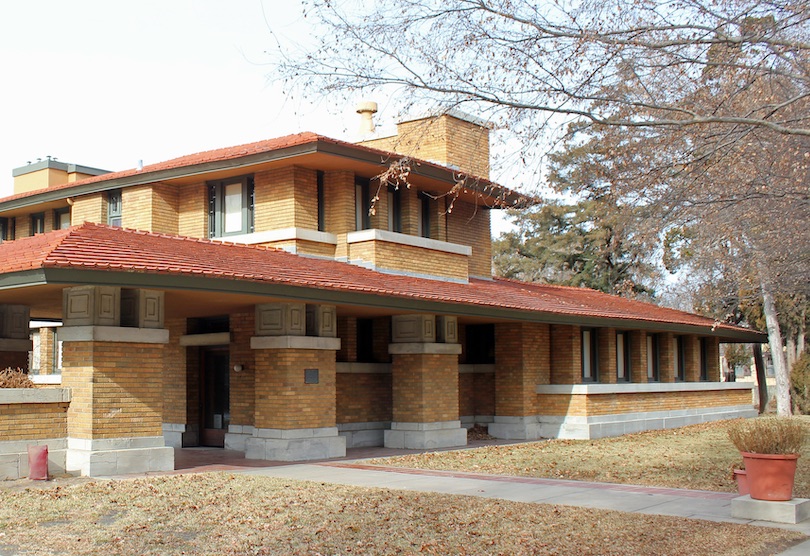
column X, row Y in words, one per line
column 190, row 296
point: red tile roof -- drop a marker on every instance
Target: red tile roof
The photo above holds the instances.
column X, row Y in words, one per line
column 225, row 154
column 104, row 248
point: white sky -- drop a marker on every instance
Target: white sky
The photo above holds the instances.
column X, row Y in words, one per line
column 108, row 83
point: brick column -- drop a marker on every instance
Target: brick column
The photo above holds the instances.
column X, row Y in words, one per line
column 522, row 361
column 606, row 338
column 691, row 348
column 666, row 350
column 566, row 352
column 424, row 384
column 713, row 359
column 295, row 384
column 115, row 374
column 638, row 356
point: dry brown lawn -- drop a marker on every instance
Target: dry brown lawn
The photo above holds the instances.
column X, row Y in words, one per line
column 696, row 457
column 220, row 513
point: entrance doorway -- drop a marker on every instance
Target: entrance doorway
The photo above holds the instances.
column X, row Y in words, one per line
column 215, row 412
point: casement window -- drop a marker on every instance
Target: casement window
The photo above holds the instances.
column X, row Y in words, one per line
column 653, row 358
column 230, row 207
column 704, row 363
column 7, row 229
column 678, row 358
column 38, row 223
column 590, row 356
column 623, row 357
column 61, row 218
column 394, row 209
column 423, row 215
column 114, row 207
column 321, row 205
column 362, row 204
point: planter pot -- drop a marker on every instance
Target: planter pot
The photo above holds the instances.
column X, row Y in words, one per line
column 741, row 476
column 770, row 476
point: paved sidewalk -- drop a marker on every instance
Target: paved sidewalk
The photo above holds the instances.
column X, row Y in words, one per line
column 696, row 504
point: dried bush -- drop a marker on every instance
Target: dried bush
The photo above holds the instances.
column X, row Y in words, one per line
column 769, row 435
column 15, row 378
column 800, row 385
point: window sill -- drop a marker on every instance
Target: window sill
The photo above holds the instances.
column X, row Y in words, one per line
column 639, row 387
column 282, row 234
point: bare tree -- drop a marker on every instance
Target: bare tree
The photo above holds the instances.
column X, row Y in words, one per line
column 701, row 107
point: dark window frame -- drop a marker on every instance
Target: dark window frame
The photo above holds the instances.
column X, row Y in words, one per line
column 37, row 223
column 654, row 358
column 679, row 356
column 115, row 208
column 321, row 205
column 362, row 205
column 395, row 209
column 593, row 353
column 425, row 220
column 57, row 216
column 704, row 361
column 216, row 206
column 626, row 350
column 8, row 229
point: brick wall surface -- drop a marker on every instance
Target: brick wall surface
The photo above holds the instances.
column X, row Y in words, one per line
column 666, row 350
column 469, row 224
column 192, row 203
column 347, row 332
column 476, row 394
column 283, row 401
column 339, row 207
column 566, row 354
column 691, row 348
column 117, row 389
column 411, row 259
column 425, row 388
column 713, row 359
column 522, row 361
column 175, row 399
column 610, row 404
column 285, row 198
column 364, row 397
column 638, row 356
column 89, row 208
column 606, row 340
column 243, row 393
column 33, row 421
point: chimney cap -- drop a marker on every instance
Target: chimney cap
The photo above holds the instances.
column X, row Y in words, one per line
column 367, row 106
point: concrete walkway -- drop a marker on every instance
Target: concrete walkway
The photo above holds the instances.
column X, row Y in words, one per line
column 695, row 504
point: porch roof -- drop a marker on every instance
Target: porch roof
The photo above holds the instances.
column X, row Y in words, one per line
column 99, row 254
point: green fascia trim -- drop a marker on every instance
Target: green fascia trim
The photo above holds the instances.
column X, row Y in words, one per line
column 23, row 279
column 360, row 299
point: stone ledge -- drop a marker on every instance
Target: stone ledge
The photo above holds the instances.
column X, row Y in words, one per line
column 213, row 339
column 34, row 395
column 295, row 449
column 412, row 348
column 295, row 342
column 640, row 388
column 114, row 334
column 791, row 511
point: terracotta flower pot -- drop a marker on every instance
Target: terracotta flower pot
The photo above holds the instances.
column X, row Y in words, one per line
column 741, row 477
column 770, row 476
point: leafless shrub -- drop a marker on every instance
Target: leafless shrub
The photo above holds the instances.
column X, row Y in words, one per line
column 769, row 435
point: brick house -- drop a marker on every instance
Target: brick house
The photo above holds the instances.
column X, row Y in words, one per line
column 248, row 298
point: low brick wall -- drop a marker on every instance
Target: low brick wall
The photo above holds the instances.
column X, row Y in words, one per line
column 600, row 410
column 30, row 417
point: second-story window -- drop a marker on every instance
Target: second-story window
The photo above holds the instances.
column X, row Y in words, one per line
column 362, row 204
column 38, row 223
column 230, row 207
column 321, row 203
column 394, row 209
column 590, row 359
column 114, row 207
column 61, row 218
column 423, row 215
column 7, row 229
